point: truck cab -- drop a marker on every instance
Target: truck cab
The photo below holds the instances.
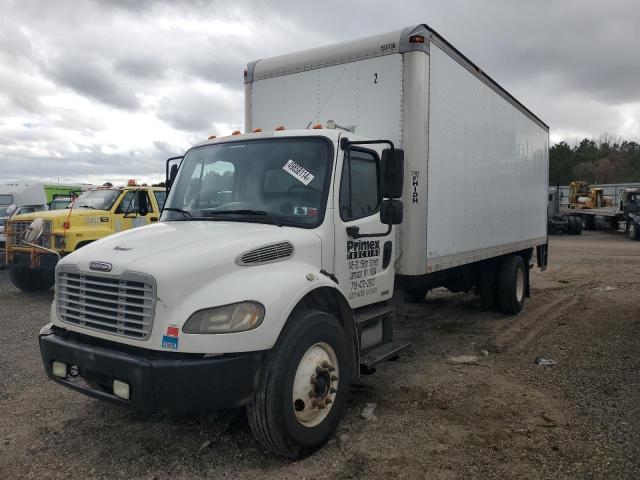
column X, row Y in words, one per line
column 94, row 214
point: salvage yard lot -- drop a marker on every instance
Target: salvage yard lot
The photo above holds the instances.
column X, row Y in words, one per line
column 423, row 416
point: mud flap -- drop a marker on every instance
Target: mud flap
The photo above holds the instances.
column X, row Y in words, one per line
column 542, row 253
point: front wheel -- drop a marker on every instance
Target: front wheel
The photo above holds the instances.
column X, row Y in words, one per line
column 634, row 231
column 29, row 280
column 303, row 386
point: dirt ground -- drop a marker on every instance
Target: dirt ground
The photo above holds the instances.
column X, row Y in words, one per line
column 504, row 417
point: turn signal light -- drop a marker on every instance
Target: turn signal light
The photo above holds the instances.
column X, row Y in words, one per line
column 279, row 128
column 416, row 39
column 257, row 130
column 212, row 137
column 131, row 183
column 237, row 132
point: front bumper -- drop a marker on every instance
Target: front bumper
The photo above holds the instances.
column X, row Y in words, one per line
column 41, row 261
column 159, row 382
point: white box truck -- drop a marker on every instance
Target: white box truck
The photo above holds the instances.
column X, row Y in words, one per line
column 371, row 171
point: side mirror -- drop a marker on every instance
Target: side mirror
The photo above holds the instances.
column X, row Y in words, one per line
column 391, row 173
column 143, row 204
column 33, row 231
column 171, row 171
column 391, row 212
column 172, row 174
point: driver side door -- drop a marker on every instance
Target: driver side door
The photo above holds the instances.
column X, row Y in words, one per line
column 364, row 266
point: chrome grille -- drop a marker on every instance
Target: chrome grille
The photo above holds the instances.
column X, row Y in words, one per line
column 266, row 254
column 122, row 306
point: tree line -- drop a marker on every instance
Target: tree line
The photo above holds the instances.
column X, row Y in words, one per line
column 607, row 159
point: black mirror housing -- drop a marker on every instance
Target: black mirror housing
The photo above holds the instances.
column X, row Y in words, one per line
column 143, row 204
column 391, row 212
column 171, row 171
column 391, row 173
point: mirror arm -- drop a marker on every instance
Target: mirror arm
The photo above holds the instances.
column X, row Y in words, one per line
column 33, row 245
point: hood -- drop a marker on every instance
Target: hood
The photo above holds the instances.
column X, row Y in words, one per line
column 62, row 214
column 188, row 247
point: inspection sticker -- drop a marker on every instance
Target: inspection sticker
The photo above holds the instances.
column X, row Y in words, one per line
column 170, row 340
column 298, row 171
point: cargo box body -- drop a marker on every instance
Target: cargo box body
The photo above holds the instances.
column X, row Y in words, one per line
column 476, row 160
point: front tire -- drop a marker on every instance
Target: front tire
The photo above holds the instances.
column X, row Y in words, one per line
column 634, row 231
column 29, row 280
column 303, row 386
column 512, row 284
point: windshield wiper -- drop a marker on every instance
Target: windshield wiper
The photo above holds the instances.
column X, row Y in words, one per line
column 87, row 206
column 179, row 210
column 261, row 213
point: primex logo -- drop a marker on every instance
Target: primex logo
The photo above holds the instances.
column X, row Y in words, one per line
column 100, row 266
column 362, row 248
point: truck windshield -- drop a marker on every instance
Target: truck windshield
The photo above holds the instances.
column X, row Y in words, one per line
column 283, row 181
column 102, row 199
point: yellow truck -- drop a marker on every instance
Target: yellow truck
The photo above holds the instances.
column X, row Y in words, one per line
column 95, row 214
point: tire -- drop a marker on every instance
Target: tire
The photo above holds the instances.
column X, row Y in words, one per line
column 31, row 280
column 511, row 284
column 295, row 427
column 578, row 223
column 634, row 231
column 571, row 225
column 588, row 222
column 416, row 295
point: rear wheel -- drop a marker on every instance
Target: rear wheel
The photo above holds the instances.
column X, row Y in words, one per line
column 29, row 280
column 634, row 231
column 303, row 388
column 571, row 225
column 588, row 222
column 578, row 224
column 511, row 284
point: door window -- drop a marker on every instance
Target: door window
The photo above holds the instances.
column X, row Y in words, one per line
column 129, row 203
column 160, row 198
column 359, row 187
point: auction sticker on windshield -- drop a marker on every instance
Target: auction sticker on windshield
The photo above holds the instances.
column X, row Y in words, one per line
column 298, row 171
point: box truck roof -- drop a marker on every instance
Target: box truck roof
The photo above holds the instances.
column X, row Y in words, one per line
column 413, row 38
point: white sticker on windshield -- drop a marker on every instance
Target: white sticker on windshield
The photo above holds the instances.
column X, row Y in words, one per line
column 298, row 172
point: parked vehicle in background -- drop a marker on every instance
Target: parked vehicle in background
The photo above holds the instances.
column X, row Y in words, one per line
column 95, row 214
column 275, row 275
column 630, row 207
column 17, row 198
column 60, row 202
column 558, row 222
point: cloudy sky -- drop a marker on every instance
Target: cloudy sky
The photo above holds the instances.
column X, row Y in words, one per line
column 99, row 90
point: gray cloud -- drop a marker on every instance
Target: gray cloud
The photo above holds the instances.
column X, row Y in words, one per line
column 172, row 70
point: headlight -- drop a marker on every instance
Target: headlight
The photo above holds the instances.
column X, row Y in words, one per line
column 237, row 317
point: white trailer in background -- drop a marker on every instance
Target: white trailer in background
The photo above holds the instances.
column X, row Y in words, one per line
column 275, row 274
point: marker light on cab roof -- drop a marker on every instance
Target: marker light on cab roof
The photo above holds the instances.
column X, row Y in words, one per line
column 279, row 128
column 237, row 132
column 257, row 130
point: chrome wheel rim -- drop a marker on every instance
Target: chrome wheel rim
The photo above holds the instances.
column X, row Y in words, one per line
column 315, row 385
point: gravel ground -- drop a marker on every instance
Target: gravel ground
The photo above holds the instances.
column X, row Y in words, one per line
column 426, row 415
